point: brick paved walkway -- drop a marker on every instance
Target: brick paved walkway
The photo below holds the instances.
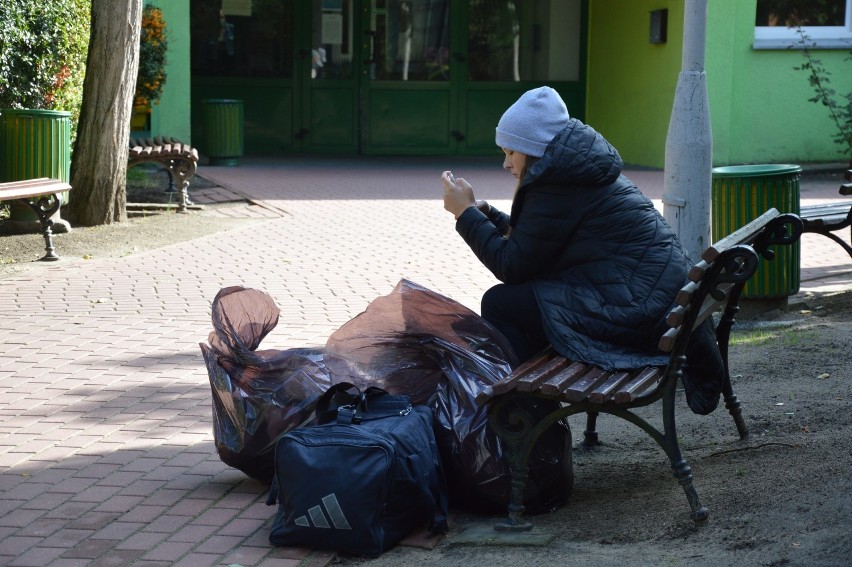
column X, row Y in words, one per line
column 106, row 450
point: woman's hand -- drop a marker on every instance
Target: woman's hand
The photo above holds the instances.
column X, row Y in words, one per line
column 458, row 194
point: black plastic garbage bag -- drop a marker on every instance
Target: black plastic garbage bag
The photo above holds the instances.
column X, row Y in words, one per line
column 257, row 395
column 420, row 343
column 412, row 341
column 475, row 465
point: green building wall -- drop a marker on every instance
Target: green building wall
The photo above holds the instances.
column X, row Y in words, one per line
column 631, row 82
column 171, row 116
column 759, row 107
column 759, row 103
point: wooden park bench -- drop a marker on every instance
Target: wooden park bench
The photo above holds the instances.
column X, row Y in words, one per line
column 43, row 196
column 179, row 159
column 714, row 283
column 829, row 218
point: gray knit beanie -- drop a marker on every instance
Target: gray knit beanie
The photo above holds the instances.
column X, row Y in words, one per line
column 532, row 122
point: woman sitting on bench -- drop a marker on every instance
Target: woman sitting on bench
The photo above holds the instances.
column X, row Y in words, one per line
column 586, row 262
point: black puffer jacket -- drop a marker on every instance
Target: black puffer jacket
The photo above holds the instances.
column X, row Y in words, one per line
column 604, row 263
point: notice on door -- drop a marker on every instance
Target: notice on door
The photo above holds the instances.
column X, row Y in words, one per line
column 332, row 29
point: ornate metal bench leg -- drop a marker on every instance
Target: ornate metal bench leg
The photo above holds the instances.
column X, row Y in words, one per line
column 683, row 473
column 182, row 170
column 590, row 436
column 44, row 208
column 734, row 408
column 513, row 424
column 184, row 196
column 723, row 336
column 515, row 521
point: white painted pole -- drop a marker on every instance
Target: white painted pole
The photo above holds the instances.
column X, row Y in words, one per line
column 689, row 145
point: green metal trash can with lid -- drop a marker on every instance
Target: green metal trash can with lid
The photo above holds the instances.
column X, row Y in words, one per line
column 33, row 144
column 223, row 131
column 742, row 193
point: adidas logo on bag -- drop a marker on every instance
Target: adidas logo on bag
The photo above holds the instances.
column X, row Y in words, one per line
column 316, row 516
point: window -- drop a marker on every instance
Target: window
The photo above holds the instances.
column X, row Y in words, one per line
column 828, row 23
column 411, row 40
column 241, row 39
column 523, row 40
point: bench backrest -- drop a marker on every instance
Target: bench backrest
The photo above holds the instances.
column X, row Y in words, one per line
column 724, row 269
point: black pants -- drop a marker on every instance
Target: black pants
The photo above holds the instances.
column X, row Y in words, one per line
column 513, row 310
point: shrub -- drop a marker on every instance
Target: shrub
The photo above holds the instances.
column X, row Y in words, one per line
column 43, row 49
column 153, row 46
column 839, row 105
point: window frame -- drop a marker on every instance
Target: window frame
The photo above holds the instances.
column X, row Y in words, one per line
column 822, row 37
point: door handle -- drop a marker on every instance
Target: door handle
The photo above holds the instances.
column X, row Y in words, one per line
column 374, row 37
column 457, row 135
column 458, row 57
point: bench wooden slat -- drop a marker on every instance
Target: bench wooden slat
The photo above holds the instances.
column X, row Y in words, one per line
column 508, row 384
column 581, row 388
column 31, row 188
column 710, row 306
column 668, row 339
column 811, row 211
column 743, row 235
column 525, row 368
column 532, row 380
column 608, row 387
column 684, row 296
column 638, row 384
column 697, row 271
column 557, row 384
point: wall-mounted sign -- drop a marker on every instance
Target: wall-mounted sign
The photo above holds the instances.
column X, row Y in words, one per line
column 236, row 7
column 332, row 29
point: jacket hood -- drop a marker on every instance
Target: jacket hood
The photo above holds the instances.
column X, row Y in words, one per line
column 577, row 156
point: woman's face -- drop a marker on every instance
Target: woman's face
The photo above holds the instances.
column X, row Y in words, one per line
column 514, row 162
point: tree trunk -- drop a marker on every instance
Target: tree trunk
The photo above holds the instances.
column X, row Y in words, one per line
column 99, row 162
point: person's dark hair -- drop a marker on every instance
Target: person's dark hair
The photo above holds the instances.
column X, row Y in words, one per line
column 528, row 163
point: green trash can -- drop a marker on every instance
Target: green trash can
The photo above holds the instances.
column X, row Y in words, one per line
column 223, row 131
column 33, row 144
column 742, row 193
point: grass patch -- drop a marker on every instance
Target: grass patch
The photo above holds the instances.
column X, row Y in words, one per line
column 791, row 336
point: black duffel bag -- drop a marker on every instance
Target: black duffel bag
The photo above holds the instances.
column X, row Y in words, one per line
column 360, row 480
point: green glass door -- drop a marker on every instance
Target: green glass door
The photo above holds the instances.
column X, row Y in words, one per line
column 408, row 104
column 513, row 46
column 439, row 74
column 327, row 111
column 390, row 77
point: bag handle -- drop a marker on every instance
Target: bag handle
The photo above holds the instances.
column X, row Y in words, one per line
column 346, row 403
column 342, row 394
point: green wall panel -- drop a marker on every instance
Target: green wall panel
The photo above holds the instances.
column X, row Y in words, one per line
column 333, row 119
column 484, row 109
column 631, row 82
column 398, row 120
column 759, row 107
column 759, row 104
column 170, row 118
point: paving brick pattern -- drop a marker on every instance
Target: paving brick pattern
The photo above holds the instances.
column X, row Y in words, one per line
column 106, row 448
